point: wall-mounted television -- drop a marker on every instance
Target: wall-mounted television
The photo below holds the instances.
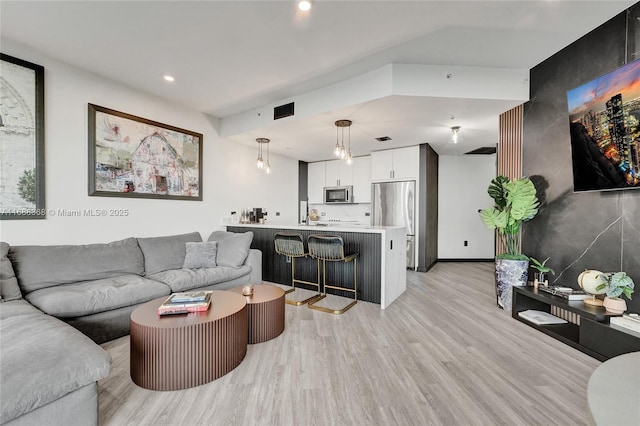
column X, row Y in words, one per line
column 604, row 117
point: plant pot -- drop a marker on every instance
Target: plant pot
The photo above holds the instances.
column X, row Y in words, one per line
column 509, row 273
column 615, row 306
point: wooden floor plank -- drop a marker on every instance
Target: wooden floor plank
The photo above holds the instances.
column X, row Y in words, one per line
column 441, row 354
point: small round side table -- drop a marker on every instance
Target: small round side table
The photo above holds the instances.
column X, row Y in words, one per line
column 265, row 311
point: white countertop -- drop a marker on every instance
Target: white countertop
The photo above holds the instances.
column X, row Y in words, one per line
column 347, row 227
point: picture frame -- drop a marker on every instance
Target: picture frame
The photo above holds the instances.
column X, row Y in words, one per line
column 22, row 193
column 134, row 157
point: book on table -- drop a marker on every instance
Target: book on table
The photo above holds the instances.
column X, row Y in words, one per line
column 186, row 302
column 565, row 292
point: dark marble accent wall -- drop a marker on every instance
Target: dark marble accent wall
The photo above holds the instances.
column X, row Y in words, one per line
column 592, row 230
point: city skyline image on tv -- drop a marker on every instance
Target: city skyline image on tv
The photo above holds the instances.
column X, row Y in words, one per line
column 605, row 131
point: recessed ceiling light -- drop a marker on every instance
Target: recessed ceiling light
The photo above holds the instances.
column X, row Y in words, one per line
column 169, row 78
column 304, row 5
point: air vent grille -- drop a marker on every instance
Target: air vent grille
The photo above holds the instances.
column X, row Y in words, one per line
column 383, row 139
column 283, row 111
column 485, row 150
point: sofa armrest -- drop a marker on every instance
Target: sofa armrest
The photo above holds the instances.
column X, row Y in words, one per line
column 255, row 261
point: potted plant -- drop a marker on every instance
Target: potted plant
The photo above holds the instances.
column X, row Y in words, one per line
column 616, row 285
column 540, row 277
column 515, row 202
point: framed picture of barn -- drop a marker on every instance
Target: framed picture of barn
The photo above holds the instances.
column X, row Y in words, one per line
column 135, row 157
column 21, row 139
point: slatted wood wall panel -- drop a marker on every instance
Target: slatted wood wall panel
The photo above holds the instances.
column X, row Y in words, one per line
column 510, row 148
column 510, row 143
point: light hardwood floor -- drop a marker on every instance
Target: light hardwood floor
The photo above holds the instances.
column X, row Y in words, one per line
column 441, row 354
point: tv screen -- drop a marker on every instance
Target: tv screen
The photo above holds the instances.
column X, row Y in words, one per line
column 605, row 131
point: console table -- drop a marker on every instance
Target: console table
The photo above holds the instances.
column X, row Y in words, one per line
column 591, row 333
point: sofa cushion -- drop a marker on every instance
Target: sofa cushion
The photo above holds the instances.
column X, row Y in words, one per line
column 9, row 289
column 187, row 279
column 40, row 267
column 200, row 255
column 17, row 307
column 233, row 248
column 91, row 297
column 162, row 253
column 42, row 360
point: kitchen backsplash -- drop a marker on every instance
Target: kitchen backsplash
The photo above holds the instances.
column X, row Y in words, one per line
column 343, row 212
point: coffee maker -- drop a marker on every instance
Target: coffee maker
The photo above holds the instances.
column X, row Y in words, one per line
column 256, row 214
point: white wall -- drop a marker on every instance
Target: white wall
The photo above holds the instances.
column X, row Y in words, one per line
column 463, row 182
column 231, row 180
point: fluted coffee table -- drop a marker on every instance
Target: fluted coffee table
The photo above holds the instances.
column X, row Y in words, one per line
column 265, row 309
column 182, row 351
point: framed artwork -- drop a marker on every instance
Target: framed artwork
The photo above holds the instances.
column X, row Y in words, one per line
column 21, row 139
column 134, row 157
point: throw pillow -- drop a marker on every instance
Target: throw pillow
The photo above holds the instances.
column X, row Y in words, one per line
column 233, row 248
column 9, row 289
column 164, row 253
column 200, row 255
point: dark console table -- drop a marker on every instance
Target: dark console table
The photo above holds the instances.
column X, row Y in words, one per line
column 592, row 333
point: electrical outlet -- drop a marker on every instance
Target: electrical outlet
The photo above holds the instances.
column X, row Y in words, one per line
column 288, row 259
column 323, row 213
column 277, row 213
column 466, row 243
column 367, row 214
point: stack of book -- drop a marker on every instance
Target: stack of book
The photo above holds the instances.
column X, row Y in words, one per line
column 183, row 303
column 565, row 292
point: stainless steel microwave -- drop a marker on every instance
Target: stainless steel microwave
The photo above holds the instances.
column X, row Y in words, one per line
column 338, row 194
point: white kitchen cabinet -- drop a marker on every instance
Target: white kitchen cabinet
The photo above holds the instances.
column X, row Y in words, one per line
column 362, row 179
column 338, row 173
column 316, row 182
column 395, row 164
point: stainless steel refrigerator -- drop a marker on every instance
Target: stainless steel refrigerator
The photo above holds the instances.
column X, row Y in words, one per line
column 394, row 204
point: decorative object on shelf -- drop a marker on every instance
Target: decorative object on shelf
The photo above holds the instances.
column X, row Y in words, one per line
column 340, row 150
column 261, row 163
column 247, row 290
column 21, row 139
column 589, row 281
column 617, row 284
column 134, row 157
column 540, row 277
column 456, row 134
column 515, row 202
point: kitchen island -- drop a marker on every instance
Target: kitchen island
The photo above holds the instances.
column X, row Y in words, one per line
column 382, row 272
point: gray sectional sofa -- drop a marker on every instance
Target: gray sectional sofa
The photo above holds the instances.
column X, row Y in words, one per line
column 59, row 302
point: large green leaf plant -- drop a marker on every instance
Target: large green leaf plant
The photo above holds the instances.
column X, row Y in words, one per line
column 515, row 202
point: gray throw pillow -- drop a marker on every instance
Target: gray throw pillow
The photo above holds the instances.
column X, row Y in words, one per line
column 9, row 289
column 164, row 253
column 200, row 255
column 233, row 248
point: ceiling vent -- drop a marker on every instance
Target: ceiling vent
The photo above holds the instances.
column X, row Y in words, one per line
column 383, row 139
column 485, row 150
column 283, row 111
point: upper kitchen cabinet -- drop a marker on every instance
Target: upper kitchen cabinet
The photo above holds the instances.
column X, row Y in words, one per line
column 338, row 173
column 395, row 164
column 315, row 182
column 361, row 179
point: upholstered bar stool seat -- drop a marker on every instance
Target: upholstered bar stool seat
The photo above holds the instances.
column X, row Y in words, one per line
column 292, row 246
column 330, row 248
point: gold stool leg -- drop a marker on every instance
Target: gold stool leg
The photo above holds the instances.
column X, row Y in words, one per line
column 314, row 297
column 354, row 291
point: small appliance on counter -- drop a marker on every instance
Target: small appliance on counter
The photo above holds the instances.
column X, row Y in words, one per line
column 253, row 215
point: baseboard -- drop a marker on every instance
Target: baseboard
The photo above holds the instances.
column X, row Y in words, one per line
column 466, row 260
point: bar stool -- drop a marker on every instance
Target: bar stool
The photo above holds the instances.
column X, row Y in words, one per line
column 292, row 245
column 330, row 248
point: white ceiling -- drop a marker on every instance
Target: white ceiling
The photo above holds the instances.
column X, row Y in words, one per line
column 229, row 57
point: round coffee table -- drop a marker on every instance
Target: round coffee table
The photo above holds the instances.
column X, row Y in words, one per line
column 265, row 308
column 182, row 351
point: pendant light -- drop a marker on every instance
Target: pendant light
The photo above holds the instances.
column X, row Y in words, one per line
column 456, row 134
column 260, row 162
column 340, row 151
